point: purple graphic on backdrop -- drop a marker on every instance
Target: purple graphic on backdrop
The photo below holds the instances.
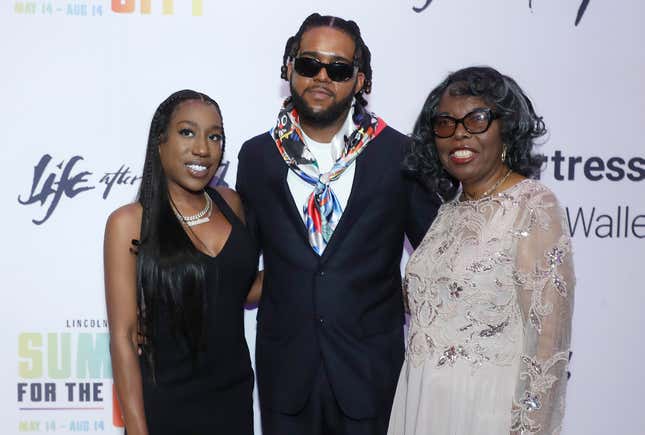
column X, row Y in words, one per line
column 218, row 178
column 122, row 176
column 51, row 183
column 581, row 9
column 422, row 8
column 66, row 179
column 58, row 183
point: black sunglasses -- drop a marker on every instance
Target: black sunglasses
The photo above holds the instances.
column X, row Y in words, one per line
column 475, row 122
column 310, row 67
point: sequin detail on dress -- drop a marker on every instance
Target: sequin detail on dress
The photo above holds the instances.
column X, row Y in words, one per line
column 490, row 295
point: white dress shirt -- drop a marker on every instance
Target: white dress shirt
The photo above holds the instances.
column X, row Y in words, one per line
column 326, row 154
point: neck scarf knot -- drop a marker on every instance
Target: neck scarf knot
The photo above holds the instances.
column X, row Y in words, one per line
column 322, row 211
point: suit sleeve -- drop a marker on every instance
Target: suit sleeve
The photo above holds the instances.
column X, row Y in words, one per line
column 422, row 206
column 242, row 186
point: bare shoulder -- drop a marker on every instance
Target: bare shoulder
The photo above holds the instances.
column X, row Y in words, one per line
column 233, row 200
column 125, row 222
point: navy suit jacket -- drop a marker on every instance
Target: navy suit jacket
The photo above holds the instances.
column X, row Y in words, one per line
column 343, row 309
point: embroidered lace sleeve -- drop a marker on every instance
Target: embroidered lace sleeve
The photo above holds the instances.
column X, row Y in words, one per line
column 544, row 280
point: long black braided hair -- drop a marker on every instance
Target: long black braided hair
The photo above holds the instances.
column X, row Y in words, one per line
column 362, row 55
column 170, row 272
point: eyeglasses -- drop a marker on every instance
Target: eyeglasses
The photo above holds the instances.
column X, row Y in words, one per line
column 310, row 67
column 475, row 122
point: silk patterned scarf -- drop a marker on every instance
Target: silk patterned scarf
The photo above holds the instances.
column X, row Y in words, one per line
column 322, row 210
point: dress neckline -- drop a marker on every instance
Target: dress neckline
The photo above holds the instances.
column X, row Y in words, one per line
column 230, row 217
column 504, row 192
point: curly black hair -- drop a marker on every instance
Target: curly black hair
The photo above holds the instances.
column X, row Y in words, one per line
column 362, row 55
column 520, row 126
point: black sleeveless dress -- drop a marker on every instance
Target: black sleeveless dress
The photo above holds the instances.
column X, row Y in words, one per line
column 214, row 395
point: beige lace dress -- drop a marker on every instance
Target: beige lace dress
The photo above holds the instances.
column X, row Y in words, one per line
column 490, row 293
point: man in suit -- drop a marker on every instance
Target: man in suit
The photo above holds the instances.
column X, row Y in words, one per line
column 331, row 207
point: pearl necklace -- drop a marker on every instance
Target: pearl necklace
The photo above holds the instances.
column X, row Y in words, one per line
column 201, row 217
column 492, row 189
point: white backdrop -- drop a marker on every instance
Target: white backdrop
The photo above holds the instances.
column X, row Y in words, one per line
column 80, row 81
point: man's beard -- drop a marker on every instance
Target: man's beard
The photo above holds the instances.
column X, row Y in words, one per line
column 323, row 118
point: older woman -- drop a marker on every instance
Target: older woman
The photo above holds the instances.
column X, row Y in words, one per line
column 490, row 288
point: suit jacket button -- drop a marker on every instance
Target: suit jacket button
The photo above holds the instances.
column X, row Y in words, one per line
column 321, row 321
column 321, row 273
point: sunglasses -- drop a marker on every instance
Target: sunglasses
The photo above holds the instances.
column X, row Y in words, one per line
column 475, row 122
column 336, row 71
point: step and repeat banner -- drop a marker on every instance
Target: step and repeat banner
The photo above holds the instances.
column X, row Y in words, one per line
column 81, row 79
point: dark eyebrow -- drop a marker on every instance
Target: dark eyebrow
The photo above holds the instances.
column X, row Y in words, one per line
column 193, row 124
column 334, row 58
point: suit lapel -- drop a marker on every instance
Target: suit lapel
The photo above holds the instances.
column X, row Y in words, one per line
column 285, row 198
column 367, row 175
column 291, row 207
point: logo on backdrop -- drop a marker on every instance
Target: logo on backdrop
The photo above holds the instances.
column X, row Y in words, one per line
column 99, row 8
column 594, row 168
column 581, row 9
column 65, row 378
column 69, row 178
column 52, row 182
column 622, row 221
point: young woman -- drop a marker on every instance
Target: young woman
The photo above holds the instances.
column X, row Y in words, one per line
column 179, row 264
